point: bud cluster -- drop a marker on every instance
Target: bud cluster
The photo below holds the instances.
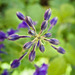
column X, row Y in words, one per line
column 27, row 22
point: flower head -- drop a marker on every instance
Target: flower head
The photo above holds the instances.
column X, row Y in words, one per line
column 27, row 22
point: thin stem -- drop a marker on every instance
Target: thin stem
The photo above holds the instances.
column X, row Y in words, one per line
column 22, row 56
column 25, row 36
column 50, row 28
column 40, row 32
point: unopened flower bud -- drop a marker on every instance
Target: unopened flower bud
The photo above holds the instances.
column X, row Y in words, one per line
column 48, row 35
column 15, row 63
column 31, row 32
column 44, row 25
column 20, row 16
column 59, row 49
column 32, row 55
column 53, row 21
column 29, row 22
column 13, row 37
column 47, row 14
column 54, row 41
column 42, row 48
column 27, row 45
column 38, row 43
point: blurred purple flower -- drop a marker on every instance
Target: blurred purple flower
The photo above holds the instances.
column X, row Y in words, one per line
column 5, row 72
column 2, row 36
column 11, row 31
column 1, row 46
column 41, row 70
column 23, row 25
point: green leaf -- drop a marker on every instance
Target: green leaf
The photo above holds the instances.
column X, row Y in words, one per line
column 70, row 54
column 57, row 66
column 67, row 10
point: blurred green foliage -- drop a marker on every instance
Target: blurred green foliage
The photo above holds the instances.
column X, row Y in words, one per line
column 64, row 31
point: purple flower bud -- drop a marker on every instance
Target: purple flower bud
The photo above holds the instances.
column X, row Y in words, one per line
column 31, row 32
column 44, row 25
column 41, row 47
column 5, row 72
column 32, row 55
column 13, row 37
column 11, row 31
column 38, row 43
column 29, row 22
column 27, row 45
column 47, row 14
column 2, row 36
column 54, row 41
column 15, row 63
column 48, row 35
column 53, row 21
column 61, row 50
column 41, row 70
column 20, row 16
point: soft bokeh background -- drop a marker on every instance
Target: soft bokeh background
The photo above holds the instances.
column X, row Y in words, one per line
column 64, row 31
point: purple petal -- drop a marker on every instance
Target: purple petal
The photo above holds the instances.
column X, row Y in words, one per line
column 23, row 25
column 2, row 36
column 11, row 31
column 44, row 67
